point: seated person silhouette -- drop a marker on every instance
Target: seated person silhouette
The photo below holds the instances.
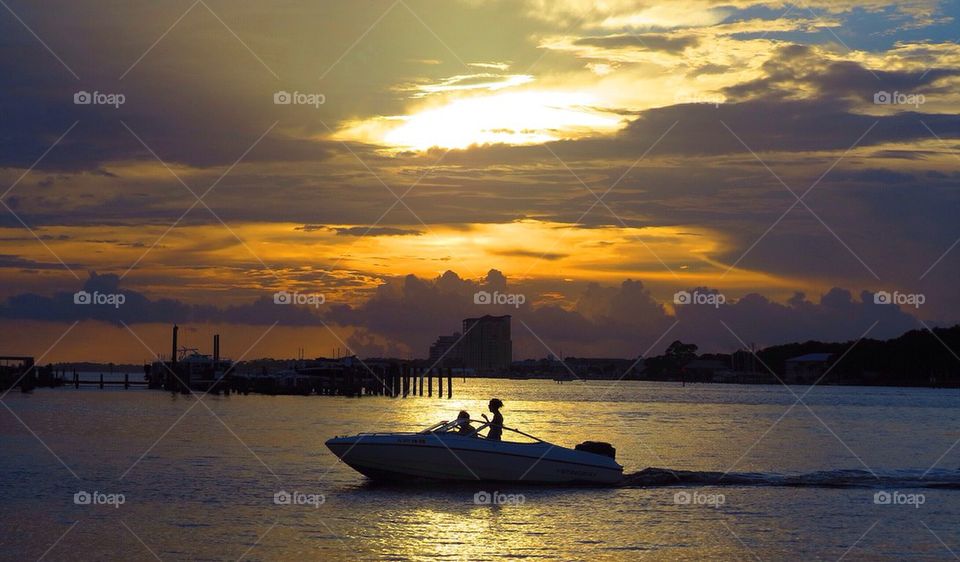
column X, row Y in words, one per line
column 463, row 424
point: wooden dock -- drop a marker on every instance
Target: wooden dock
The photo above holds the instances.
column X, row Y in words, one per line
column 394, row 379
column 21, row 371
column 126, row 382
column 188, row 371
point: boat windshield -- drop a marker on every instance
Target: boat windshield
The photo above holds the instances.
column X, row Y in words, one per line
column 480, row 428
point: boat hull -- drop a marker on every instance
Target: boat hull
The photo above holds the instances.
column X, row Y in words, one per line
column 401, row 457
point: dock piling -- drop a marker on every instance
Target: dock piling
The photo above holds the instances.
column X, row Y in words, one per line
column 173, row 346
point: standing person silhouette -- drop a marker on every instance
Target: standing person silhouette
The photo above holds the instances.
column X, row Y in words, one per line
column 496, row 426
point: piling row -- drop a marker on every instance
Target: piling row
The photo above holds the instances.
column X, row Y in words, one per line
column 408, row 380
column 394, row 380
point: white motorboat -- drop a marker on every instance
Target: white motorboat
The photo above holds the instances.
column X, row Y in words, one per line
column 450, row 451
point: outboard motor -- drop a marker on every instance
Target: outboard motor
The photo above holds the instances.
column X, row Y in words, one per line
column 598, row 448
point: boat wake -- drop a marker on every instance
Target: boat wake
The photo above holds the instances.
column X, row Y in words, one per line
column 649, row 477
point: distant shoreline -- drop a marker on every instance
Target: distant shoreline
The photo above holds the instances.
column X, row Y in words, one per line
column 118, row 375
column 915, row 359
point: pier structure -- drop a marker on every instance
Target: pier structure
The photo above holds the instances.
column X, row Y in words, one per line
column 187, row 370
column 22, row 371
column 349, row 376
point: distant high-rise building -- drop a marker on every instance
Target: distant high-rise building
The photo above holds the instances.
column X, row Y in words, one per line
column 486, row 344
column 447, row 351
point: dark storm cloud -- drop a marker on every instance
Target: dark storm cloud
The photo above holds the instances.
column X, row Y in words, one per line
column 182, row 118
column 360, row 230
column 764, row 124
column 803, row 103
column 794, row 66
column 376, row 231
column 641, row 41
column 208, row 128
column 137, row 308
column 215, row 126
column 708, row 69
column 17, row 262
column 199, row 79
column 774, row 125
column 96, row 140
column 622, row 320
column 877, row 176
column 837, row 316
column 550, row 256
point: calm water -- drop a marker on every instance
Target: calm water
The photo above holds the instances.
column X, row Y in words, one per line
column 205, row 488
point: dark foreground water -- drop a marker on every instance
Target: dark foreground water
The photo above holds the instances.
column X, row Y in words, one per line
column 740, row 473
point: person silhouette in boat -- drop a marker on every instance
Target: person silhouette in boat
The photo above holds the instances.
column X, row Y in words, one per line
column 463, row 423
column 496, row 426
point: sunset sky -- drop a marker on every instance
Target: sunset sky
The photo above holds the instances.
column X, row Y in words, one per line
column 594, row 157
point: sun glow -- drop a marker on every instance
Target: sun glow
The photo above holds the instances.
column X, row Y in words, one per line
column 527, row 117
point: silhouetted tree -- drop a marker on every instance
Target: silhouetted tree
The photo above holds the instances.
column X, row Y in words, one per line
column 681, row 353
column 669, row 364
